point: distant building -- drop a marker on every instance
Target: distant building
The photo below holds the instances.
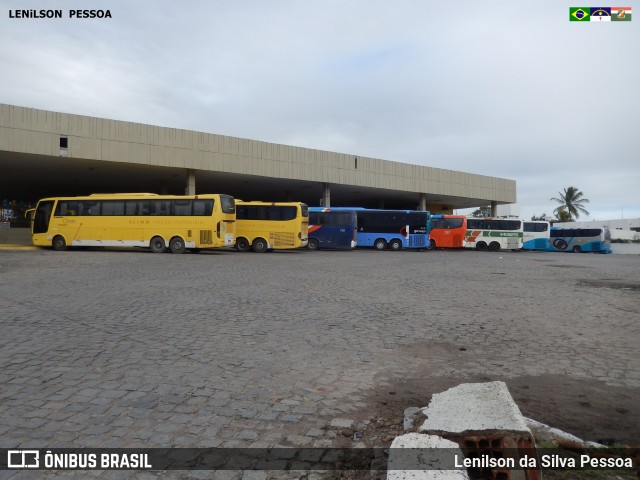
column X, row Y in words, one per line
column 622, row 229
column 508, row 210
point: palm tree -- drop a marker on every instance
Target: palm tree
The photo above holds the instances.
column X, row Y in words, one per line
column 562, row 215
column 571, row 204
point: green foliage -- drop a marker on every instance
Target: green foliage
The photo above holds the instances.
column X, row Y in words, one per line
column 570, row 204
column 562, row 215
column 482, row 212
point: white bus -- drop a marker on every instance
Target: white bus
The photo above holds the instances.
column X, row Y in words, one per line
column 494, row 234
column 580, row 240
column 535, row 235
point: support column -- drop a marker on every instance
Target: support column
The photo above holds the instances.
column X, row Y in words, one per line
column 191, row 182
column 422, row 202
column 326, row 195
column 494, row 209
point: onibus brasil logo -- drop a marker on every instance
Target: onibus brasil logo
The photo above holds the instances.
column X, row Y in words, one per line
column 23, row 458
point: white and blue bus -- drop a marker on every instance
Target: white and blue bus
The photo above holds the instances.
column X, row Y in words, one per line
column 580, row 240
column 329, row 228
column 390, row 229
column 535, row 235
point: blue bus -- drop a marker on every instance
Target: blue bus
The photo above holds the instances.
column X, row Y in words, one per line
column 580, row 240
column 536, row 235
column 390, row 229
column 329, row 228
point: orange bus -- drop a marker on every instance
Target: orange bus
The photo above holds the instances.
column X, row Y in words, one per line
column 448, row 231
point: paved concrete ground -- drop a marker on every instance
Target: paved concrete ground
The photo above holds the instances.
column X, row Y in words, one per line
column 116, row 349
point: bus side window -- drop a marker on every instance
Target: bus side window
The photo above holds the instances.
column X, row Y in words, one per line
column 148, row 208
column 61, row 209
column 131, row 207
column 163, row 207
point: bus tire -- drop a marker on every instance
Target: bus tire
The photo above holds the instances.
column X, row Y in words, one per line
column 59, row 244
column 313, row 244
column 176, row 245
column 577, row 249
column 260, row 245
column 380, row 244
column 395, row 244
column 432, row 244
column 481, row 246
column 494, row 247
column 156, row 245
column 242, row 245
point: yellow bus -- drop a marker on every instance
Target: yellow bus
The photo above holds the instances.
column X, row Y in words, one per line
column 157, row 222
column 263, row 226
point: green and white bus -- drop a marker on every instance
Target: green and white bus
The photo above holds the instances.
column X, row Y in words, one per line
column 494, row 234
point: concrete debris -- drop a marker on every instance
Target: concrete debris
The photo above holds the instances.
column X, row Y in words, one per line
column 478, row 420
column 558, row 437
column 410, row 416
column 474, row 408
column 405, row 458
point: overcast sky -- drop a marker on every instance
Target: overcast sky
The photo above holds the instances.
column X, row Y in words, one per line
column 496, row 88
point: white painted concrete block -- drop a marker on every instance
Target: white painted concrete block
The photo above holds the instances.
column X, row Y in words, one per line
column 472, row 408
column 432, row 452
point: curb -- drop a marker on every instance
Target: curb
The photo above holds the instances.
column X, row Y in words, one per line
column 10, row 246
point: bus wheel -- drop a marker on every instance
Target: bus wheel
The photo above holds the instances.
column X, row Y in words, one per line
column 432, row 245
column 577, row 249
column 313, row 244
column 395, row 244
column 481, row 246
column 494, row 247
column 380, row 244
column 59, row 244
column 156, row 245
column 176, row 245
column 260, row 245
column 242, row 245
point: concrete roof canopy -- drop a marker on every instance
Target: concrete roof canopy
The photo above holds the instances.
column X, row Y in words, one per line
column 44, row 153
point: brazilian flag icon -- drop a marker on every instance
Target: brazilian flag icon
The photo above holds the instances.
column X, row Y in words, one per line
column 579, row 14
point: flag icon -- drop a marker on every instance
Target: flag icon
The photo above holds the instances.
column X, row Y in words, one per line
column 579, row 14
column 620, row 14
column 600, row 14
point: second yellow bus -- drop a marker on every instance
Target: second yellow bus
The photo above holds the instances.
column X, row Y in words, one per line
column 263, row 226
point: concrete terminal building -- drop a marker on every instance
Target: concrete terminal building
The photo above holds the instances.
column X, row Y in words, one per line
column 44, row 153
